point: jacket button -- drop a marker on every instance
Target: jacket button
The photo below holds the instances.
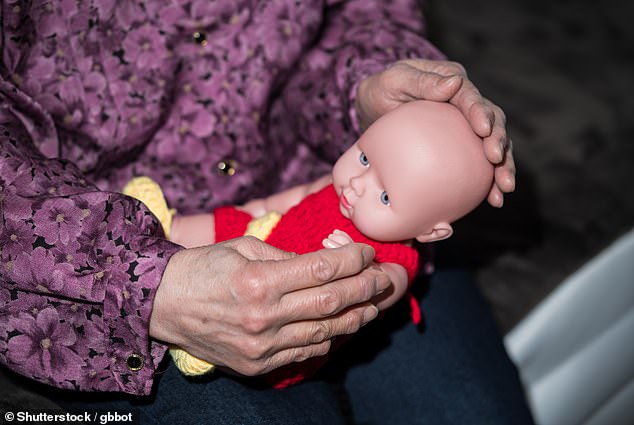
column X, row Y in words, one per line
column 134, row 362
column 226, row 167
column 200, row 37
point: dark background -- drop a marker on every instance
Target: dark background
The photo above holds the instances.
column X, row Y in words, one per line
column 563, row 71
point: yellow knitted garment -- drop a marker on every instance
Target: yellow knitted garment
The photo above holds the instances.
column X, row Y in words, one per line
column 149, row 192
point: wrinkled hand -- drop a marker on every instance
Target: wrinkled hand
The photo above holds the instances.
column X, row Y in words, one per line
column 252, row 308
column 415, row 79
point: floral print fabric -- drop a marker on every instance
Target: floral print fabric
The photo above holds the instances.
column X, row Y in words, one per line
column 218, row 102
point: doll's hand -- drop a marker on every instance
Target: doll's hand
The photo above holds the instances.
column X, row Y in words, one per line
column 396, row 272
column 337, row 239
column 415, row 79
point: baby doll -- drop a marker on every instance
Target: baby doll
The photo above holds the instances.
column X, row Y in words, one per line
column 410, row 175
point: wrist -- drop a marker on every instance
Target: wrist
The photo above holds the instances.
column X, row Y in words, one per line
column 159, row 325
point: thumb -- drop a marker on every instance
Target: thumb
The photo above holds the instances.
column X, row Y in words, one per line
column 255, row 250
column 413, row 84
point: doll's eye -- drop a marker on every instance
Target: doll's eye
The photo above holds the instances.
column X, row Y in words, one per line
column 363, row 159
column 384, row 198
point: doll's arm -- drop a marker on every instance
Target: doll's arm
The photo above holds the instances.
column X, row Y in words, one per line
column 194, row 230
column 281, row 202
column 186, row 229
column 396, row 272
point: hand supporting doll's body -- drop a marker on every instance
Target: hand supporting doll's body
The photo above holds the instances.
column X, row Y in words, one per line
column 410, row 175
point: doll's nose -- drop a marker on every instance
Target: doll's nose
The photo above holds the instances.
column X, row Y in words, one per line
column 357, row 185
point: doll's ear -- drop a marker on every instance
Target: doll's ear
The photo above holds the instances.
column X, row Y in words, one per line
column 440, row 231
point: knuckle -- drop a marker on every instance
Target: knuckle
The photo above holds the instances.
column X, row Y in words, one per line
column 252, row 369
column 319, row 333
column 302, row 355
column 253, row 284
column 251, row 240
column 255, row 323
column 367, row 286
column 329, row 302
column 323, row 348
column 422, row 80
column 255, row 349
column 323, row 269
column 306, row 353
column 352, row 322
column 457, row 68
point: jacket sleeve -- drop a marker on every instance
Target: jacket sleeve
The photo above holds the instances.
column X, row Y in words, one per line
column 79, row 267
column 359, row 38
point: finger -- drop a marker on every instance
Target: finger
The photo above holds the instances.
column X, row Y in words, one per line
column 496, row 144
column 297, row 354
column 329, row 300
column 505, row 174
column 315, row 268
column 330, row 244
column 342, row 233
column 481, row 117
column 255, row 250
column 437, row 66
column 495, row 197
column 475, row 108
column 407, row 83
column 340, row 239
column 305, row 333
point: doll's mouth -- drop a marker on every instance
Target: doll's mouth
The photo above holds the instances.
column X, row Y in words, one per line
column 344, row 202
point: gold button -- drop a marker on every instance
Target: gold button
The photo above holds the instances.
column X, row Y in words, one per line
column 134, row 362
column 226, row 167
column 200, row 37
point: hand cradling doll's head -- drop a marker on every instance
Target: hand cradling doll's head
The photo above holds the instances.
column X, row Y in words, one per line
column 412, row 173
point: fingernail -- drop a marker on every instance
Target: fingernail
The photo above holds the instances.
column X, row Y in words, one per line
column 500, row 156
column 368, row 254
column 445, row 81
column 370, row 313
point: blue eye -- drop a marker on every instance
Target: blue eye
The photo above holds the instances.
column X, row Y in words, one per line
column 384, row 198
column 363, row 159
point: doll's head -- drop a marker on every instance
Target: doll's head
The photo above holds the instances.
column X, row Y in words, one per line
column 412, row 173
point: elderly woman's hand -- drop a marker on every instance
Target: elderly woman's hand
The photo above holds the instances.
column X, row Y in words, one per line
column 415, row 79
column 252, row 308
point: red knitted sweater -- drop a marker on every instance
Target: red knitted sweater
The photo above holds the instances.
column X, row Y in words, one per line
column 301, row 230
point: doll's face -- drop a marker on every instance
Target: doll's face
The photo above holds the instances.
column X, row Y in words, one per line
column 371, row 180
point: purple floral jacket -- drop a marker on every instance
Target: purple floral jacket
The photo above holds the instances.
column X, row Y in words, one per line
column 218, row 101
